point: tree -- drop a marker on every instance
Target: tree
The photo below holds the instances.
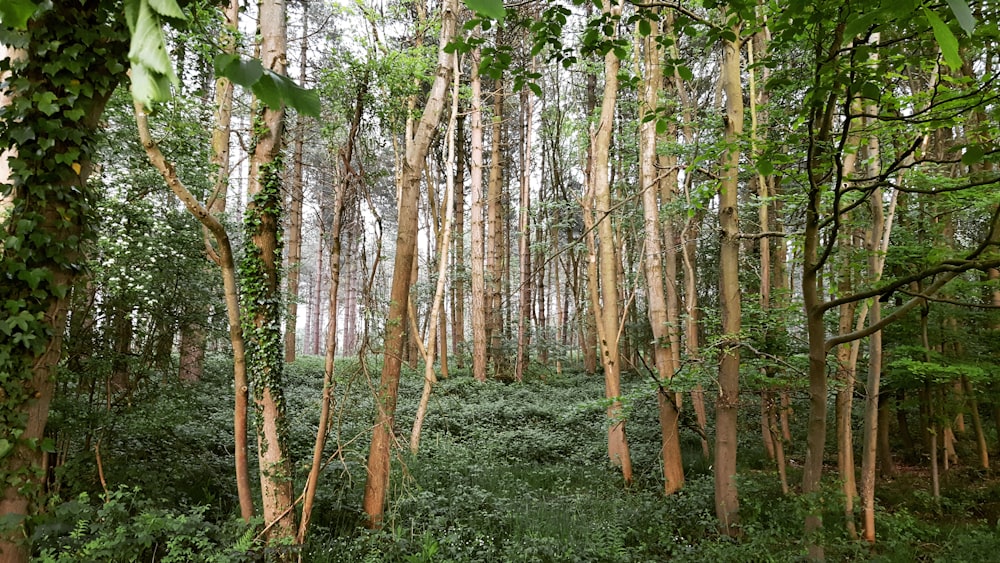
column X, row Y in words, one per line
column 377, row 482
column 50, row 106
column 604, row 266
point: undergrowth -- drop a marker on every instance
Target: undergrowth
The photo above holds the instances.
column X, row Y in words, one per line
column 507, row 472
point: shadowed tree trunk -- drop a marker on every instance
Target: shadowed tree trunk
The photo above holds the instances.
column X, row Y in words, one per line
column 44, row 203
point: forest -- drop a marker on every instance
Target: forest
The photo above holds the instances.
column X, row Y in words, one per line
column 522, row 280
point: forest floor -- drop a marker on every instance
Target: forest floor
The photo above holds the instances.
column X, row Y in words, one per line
column 506, row 472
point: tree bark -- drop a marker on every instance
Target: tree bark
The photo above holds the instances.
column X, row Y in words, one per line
column 295, row 199
column 44, row 199
column 377, row 483
column 607, row 307
column 477, row 253
column 726, row 496
column 664, row 345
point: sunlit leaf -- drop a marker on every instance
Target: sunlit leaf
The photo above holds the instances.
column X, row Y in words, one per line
column 492, row 9
column 15, row 13
column 167, row 8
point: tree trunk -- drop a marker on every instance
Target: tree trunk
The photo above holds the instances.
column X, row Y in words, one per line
column 477, row 253
column 44, row 208
column 295, row 199
column 726, row 410
column 458, row 283
column 663, row 346
column 427, row 350
column 261, row 289
column 607, row 307
column 341, row 198
column 524, row 242
column 494, row 235
column 377, row 483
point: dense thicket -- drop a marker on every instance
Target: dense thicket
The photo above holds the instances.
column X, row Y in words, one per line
column 772, row 228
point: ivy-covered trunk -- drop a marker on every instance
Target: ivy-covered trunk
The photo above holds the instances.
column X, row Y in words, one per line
column 55, row 87
column 261, row 299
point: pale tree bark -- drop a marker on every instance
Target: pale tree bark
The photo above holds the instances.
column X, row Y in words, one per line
column 663, row 345
column 295, row 199
column 477, row 236
column 427, row 350
column 727, row 403
column 222, row 255
column 377, row 483
column 608, row 324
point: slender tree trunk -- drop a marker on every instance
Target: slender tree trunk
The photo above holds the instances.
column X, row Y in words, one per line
column 295, row 198
column 458, row 283
column 377, row 483
column 494, row 234
column 727, row 403
column 663, row 347
column 427, row 350
column 607, row 268
column 341, row 197
column 477, row 256
column 524, row 242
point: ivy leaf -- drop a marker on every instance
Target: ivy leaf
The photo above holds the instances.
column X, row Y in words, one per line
column 5, row 447
column 15, row 13
column 964, row 15
column 945, row 39
column 492, row 9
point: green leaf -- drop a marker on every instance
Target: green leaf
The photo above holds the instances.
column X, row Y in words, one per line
column 535, row 88
column 148, row 87
column 5, row 447
column 304, row 101
column 15, row 13
column 964, row 15
column 945, row 39
column 644, row 27
column 685, row 72
column 492, row 9
column 972, row 155
column 239, row 71
column 267, row 91
column 765, row 167
column 168, row 8
column 148, row 46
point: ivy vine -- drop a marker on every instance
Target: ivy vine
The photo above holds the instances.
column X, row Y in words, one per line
column 261, row 300
column 61, row 69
